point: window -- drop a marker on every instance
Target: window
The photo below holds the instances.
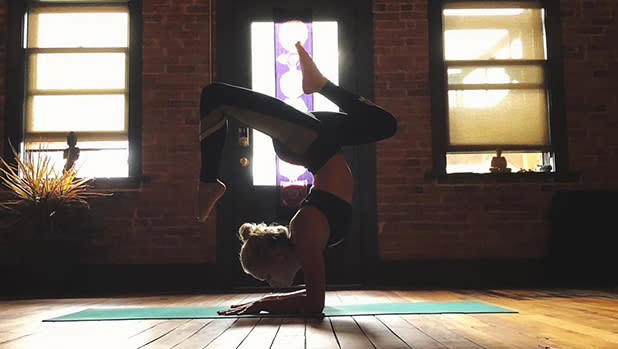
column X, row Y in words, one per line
column 491, row 71
column 276, row 72
column 80, row 68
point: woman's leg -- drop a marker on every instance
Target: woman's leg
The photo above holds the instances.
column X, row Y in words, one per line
column 210, row 189
column 363, row 122
column 294, row 133
column 298, row 137
column 289, row 126
column 211, row 148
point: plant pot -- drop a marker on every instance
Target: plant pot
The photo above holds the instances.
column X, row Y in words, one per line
column 38, row 238
column 47, row 252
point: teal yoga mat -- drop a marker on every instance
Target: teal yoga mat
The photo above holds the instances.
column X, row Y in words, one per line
column 100, row 314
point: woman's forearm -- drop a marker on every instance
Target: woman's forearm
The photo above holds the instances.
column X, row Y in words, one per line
column 283, row 295
column 302, row 292
column 293, row 302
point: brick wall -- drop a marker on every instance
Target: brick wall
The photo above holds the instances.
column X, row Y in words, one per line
column 3, row 39
column 417, row 217
column 156, row 223
column 175, row 67
column 590, row 29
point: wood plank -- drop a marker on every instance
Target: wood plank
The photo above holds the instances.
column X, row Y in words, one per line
column 349, row 334
column 179, row 334
column 410, row 334
column 379, row 334
column 462, row 335
column 584, row 310
column 319, row 334
column 263, row 335
column 206, row 334
column 578, row 334
column 28, row 325
column 431, row 326
column 291, row 334
column 154, row 333
column 215, row 328
column 513, row 329
column 235, row 334
column 91, row 334
column 450, row 335
column 539, row 320
column 553, row 318
column 347, row 331
column 488, row 336
column 24, row 318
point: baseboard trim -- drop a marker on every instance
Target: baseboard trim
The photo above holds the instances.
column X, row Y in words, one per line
column 483, row 273
column 122, row 279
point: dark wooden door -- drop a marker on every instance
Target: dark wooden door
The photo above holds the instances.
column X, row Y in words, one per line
column 349, row 262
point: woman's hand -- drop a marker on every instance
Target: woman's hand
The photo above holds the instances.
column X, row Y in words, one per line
column 253, row 307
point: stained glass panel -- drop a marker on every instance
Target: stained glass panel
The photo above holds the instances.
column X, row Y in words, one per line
column 276, row 72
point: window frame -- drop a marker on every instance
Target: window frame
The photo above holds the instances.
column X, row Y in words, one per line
column 17, row 76
column 554, row 82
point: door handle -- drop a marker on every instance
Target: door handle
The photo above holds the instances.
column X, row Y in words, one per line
column 244, row 162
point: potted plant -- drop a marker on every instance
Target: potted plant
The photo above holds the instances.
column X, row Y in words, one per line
column 45, row 211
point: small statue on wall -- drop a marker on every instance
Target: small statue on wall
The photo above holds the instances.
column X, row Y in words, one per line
column 498, row 163
column 71, row 154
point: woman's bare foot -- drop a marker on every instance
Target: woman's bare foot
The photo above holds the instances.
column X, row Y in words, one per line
column 208, row 195
column 313, row 80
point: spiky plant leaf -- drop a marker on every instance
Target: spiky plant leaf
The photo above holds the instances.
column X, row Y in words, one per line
column 34, row 182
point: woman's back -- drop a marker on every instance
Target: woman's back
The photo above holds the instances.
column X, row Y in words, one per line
column 336, row 178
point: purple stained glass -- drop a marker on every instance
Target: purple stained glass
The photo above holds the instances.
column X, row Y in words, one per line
column 288, row 81
column 304, row 178
column 287, row 70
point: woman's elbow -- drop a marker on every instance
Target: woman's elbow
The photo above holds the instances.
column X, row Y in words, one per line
column 314, row 307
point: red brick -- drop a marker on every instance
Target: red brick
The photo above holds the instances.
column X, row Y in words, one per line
column 417, row 217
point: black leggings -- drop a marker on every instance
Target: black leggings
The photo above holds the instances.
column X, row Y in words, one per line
column 307, row 139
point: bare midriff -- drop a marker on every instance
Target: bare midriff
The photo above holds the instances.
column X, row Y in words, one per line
column 335, row 177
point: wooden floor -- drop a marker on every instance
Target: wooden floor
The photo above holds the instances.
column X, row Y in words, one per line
column 556, row 318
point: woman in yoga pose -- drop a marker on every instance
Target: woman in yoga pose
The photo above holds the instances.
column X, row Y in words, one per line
column 276, row 253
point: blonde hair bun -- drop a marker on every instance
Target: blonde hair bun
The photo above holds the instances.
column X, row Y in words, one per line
column 262, row 230
column 246, row 230
column 258, row 243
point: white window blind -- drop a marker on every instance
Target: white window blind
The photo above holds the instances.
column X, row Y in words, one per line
column 77, row 80
column 495, row 56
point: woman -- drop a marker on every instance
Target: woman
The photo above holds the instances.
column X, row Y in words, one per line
column 276, row 253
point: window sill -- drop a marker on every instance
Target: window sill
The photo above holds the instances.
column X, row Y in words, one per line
column 498, row 178
column 105, row 185
column 119, row 184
